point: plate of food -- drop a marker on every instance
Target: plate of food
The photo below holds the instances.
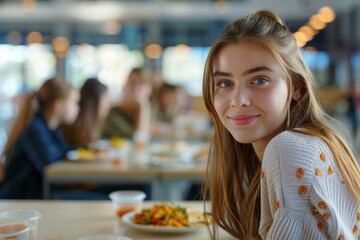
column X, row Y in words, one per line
column 84, row 155
column 168, row 219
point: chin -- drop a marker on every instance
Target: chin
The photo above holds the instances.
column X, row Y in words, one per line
column 243, row 139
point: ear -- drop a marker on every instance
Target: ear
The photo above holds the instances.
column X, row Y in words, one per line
column 297, row 93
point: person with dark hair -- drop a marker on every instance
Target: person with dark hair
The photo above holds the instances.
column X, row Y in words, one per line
column 94, row 108
column 36, row 139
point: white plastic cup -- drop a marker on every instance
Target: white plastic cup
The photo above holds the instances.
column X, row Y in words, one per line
column 31, row 216
column 104, row 237
column 127, row 201
column 14, row 229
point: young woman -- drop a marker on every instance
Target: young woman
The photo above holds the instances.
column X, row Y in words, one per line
column 94, row 108
column 36, row 139
column 131, row 117
column 276, row 170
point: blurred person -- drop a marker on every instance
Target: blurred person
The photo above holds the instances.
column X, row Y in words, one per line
column 175, row 116
column 130, row 118
column 36, row 139
column 171, row 101
column 94, row 108
column 277, row 169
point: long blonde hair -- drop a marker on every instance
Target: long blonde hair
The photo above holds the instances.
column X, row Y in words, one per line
column 233, row 174
column 41, row 100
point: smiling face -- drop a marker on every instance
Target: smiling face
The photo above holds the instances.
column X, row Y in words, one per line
column 251, row 93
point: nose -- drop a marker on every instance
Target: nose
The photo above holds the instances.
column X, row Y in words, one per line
column 240, row 98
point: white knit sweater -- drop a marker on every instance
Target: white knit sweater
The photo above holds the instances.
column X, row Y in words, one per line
column 303, row 195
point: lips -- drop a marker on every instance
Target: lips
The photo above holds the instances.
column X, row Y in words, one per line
column 244, row 119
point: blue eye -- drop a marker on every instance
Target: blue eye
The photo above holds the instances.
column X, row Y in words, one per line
column 260, row 81
column 225, row 84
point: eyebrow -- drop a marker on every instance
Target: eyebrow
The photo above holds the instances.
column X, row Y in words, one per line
column 247, row 72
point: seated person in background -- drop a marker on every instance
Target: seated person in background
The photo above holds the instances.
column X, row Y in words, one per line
column 94, row 107
column 170, row 102
column 175, row 115
column 131, row 119
column 36, row 140
column 132, row 115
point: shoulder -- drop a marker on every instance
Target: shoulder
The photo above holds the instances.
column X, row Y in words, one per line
column 37, row 121
column 290, row 143
column 293, row 150
column 37, row 128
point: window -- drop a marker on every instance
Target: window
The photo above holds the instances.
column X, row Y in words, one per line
column 183, row 65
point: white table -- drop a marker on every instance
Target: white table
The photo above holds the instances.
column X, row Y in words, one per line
column 69, row 220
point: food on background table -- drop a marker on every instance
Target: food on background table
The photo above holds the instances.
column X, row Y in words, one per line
column 166, row 215
column 118, row 142
column 117, row 161
column 85, row 154
column 201, row 154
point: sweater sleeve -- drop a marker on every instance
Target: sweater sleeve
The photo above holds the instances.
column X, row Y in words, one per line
column 297, row 197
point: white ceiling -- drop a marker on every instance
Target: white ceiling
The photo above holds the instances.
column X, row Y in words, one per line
column 153, row 10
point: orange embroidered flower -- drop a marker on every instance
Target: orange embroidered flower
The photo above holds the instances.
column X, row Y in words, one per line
column 303, row 190
column 320, row 226
column 355, row 229
column 262, row 174
column 322, row 156
column 358, row 216
column 277, row 204
column 341, row 237
column 330, row 170
column 326, row 216
column 314, row 211
column 318, row 172
column 300, row 173
column 323, row 205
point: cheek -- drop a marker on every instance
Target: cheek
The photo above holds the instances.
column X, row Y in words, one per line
column 74, row 110
column 275, row 102
column 103, row 110
column 220, row 105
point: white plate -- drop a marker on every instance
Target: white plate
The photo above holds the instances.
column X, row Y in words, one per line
column 128, row 220
column 73, row 155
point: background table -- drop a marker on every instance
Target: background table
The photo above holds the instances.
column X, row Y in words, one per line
column 166, row 182
column 69, row 220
